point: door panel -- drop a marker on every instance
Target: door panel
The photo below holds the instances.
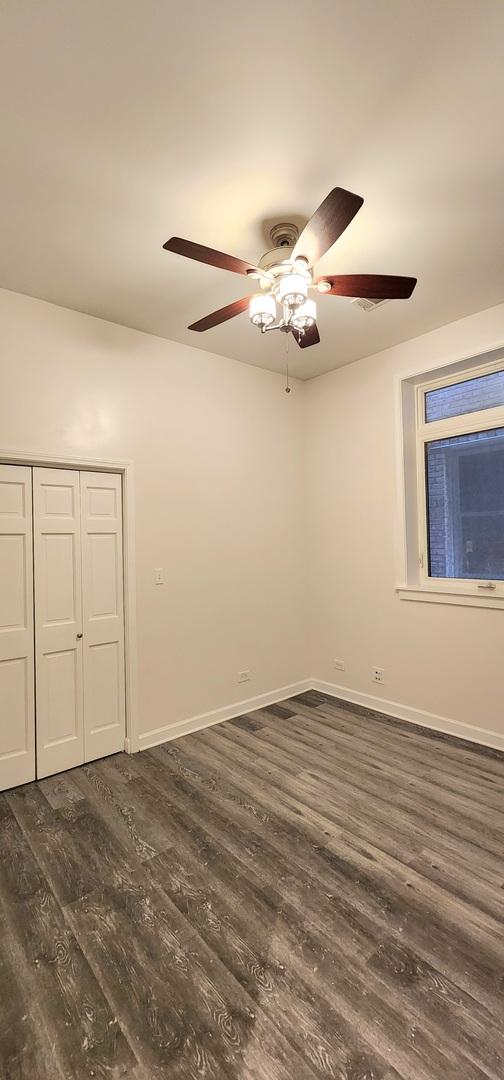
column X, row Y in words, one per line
column 103, row 581
column 103, row 617
column 63, row 691
column 17, row 714
column 104, row 672
column 58, row 599
column 13, row 728
column 12, row 578
column 58, row 620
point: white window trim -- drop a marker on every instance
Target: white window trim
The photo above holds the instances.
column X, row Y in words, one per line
column 419, row 586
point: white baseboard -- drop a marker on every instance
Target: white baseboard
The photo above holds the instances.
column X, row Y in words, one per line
column 413, row 716
column 197, row 723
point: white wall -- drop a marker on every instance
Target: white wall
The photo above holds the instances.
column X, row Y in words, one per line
column 274, row 515
column 216, row 447
column 439, row 659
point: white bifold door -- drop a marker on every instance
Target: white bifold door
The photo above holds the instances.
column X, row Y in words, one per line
column 17, row 709
column 79, row 622
column 62, row 699
column 102, row 614
column 58, row 620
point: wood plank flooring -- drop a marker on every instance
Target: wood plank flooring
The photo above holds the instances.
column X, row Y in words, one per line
column 309, row 891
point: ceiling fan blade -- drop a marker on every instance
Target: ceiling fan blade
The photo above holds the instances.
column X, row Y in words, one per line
column 220, row 316
column 310, row 337
column 208, row 255
column 370, row 286
column 327, row 224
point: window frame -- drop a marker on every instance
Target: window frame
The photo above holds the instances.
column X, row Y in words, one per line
column 429, row 431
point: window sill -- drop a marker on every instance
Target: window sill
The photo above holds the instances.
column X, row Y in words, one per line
column 462, row 598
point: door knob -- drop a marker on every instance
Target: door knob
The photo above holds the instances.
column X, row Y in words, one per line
column 78, row 636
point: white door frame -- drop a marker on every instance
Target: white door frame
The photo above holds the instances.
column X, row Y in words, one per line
column 125, row 468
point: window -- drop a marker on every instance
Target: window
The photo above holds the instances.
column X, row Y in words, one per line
column 464, row 397
column 465, row 505
column 456, row 464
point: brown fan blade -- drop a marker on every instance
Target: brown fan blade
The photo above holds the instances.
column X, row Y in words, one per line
column 327, row 224
column 222, row 315
column 207, row 255
column 310, row 337
column 370, row 286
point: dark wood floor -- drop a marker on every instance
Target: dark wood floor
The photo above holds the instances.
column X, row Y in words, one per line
column 301, row 893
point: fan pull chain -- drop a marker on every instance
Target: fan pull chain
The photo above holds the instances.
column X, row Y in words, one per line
column 288, row 388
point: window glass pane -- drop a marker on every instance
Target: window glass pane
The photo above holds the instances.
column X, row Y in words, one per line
column 485, row 392
column 465, row 503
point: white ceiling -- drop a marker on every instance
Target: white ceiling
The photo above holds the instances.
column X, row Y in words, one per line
column 125, row 122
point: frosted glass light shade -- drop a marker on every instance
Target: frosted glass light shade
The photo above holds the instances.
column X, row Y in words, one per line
column 305, row 315
column 292, row 290
column 262, row 309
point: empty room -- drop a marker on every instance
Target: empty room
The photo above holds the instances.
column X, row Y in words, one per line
column 251, row 540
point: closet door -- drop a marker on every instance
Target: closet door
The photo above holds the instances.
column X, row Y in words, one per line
column 58, row 620
column 17, row 719
column 103, row 618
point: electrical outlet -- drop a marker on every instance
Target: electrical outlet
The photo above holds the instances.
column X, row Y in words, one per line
column 244, row 676
column 339, row 665
column 159, row 575
column 378, row 674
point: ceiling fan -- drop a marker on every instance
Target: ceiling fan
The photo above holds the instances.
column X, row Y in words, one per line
column 286, row 273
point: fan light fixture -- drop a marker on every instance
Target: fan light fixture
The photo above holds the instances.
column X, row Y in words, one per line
column 262, row 310
column 305, row 315
column 287, row 288
column 298, row 313
column 293, row 290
